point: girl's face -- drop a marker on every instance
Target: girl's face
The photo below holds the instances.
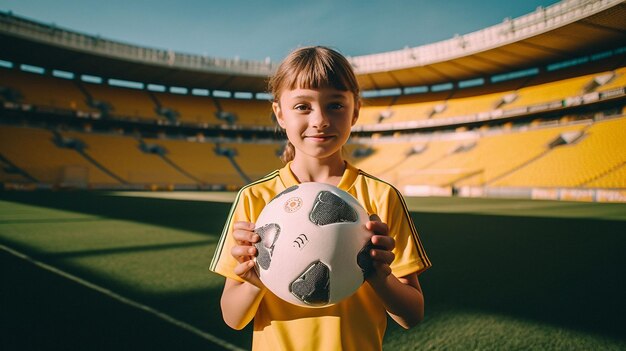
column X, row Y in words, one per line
column 317, row 121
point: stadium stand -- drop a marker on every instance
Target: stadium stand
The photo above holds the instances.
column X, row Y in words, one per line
column 491, row 156
column 35, row 152
column 123, row 156
column 615, row 179
column 247, row 112
column 256, row 159
column 554, row 91
column 419, row 167
column 616, row 79
column 373, row 108
column 481, row 160
column 550, row 119
column 43, row 90
column 472, row 105
column 599, row 151
column 415, row 111
column 122, row 102
column 188, row 108
column 200, row 161
column 10, row 174
column 383, row 157
column 410, row 108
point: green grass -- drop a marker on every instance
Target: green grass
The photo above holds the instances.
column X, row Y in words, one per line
column 507, row 274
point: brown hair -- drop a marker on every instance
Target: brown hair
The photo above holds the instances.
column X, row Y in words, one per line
column 312, row 67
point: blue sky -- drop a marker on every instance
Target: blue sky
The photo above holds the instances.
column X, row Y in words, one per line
column 258, row 29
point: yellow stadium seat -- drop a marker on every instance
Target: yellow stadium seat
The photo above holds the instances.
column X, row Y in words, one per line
column 199, row 160
column 190, row 108
column 601, row 149
column 126, row 102
column 122, row 156
column 257, row 159
column 34, row 151
column 248, row 112
column 47, row 91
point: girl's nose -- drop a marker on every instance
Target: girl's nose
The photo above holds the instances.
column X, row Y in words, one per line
column 319, row 120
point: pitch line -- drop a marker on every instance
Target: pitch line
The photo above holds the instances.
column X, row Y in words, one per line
column 125, row 300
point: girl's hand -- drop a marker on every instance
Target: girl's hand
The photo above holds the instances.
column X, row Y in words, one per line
column 381, row 252
column 244, row 251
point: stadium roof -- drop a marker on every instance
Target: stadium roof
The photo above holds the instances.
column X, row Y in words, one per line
column 560, row 32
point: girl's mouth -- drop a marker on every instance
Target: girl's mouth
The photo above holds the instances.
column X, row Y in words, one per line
column 319, row 137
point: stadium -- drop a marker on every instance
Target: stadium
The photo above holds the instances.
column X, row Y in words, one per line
column 119, row 162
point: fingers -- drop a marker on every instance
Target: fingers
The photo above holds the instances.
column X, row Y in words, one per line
column 243, row 252
column 381, row 264
column 383, row 242
column 381, row 252
column 244, row 235
column 243, row 232
column 377, row 226
column 382, row 256
column 243, row 268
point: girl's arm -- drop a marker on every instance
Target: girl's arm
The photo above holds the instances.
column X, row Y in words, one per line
column 239, row 303
column 240, row 300
column 402, row 297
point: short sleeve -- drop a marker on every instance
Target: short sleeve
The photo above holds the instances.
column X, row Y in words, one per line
column 410, row 256
column 223, row 262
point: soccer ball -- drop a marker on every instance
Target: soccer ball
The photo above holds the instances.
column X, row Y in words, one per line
column 314, row 247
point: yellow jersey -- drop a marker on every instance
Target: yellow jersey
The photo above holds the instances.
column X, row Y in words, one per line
column 357, row 322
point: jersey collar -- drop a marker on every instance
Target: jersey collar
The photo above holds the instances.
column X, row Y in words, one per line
column 346, row 182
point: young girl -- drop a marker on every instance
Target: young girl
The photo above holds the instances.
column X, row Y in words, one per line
column 316, row 102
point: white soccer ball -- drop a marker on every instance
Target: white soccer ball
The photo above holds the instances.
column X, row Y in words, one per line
column 314, row 247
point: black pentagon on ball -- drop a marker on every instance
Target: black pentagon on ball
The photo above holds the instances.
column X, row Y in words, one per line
column 313, row 286
column 269, row 233
column 364, row 260
column 330, row 208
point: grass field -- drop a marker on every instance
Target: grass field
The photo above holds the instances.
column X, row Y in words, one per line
column 89, row 270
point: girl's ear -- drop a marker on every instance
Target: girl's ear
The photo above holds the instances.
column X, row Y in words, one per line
column 355, row 115
column 278, row 113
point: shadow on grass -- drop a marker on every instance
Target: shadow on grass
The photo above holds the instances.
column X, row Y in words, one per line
column 570, row 273
column 44, row 311
column 197, row 216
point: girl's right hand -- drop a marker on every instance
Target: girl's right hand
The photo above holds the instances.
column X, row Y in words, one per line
column 245, row 251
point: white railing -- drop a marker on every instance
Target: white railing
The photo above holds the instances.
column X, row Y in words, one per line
column 94, row 44
column 510, row 30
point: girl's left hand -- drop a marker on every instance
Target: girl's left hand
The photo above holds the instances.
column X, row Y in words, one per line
column 381, row 252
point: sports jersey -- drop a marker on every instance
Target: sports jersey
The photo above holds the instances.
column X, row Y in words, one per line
column 355, row 323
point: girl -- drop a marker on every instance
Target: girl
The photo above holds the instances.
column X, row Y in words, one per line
column 316, row 102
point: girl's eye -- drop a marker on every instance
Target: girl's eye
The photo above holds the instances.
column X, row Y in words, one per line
column 301, row 107
column 336, row 106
